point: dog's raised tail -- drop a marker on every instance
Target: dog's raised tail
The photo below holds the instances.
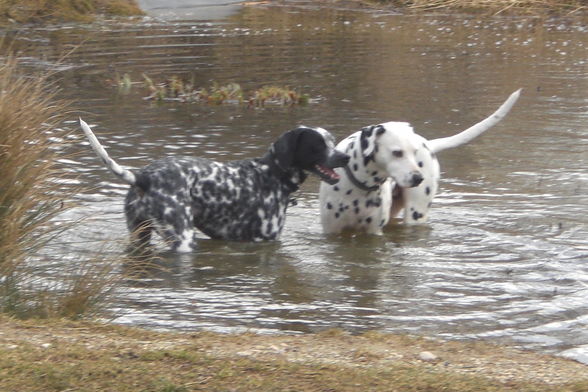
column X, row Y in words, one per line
column 124, row 174
column 474, row 131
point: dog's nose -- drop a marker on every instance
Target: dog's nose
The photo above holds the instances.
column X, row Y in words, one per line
column 338, row 159
column 345, row 159
column 416, row 179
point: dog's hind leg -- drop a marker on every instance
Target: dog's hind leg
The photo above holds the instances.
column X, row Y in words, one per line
column 139, row 225
column 175, row 226
column 140, row 234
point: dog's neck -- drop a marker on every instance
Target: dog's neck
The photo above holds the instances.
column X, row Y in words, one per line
column 363, row 172
column 291, row 177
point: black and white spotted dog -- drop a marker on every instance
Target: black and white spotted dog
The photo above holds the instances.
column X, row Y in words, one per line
column 392, row 169
column 242, row 200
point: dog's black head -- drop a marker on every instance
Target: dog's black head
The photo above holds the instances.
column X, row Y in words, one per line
column 309, row 149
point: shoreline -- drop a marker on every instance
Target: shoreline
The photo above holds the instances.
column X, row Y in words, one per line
column 94, row 356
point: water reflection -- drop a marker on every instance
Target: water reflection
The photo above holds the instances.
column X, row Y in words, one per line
column 504, row 254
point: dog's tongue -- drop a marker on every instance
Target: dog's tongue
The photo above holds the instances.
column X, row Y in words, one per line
column 328, row 172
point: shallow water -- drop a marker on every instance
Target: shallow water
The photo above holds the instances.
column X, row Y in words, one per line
column 505, row 253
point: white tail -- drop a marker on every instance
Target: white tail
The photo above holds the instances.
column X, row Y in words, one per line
column 124, row 174
column 476, row 130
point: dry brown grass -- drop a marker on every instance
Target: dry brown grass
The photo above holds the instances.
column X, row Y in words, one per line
column 28, row 115
column 31, row 196
column 39, row 11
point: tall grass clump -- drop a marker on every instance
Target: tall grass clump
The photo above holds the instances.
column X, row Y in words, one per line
column 28, row 114
column 30, row 197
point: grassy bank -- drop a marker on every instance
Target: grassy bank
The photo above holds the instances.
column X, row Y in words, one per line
column 55, row 11
column 63, row 355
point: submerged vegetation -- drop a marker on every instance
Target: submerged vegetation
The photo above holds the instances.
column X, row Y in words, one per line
column 43, row 11
column 175, row 89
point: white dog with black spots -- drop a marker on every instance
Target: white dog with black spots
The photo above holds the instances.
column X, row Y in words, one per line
column 392, row 169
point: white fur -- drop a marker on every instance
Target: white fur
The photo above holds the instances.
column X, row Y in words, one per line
column 124, row 174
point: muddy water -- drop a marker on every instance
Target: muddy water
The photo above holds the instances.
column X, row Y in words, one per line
column 505, row 253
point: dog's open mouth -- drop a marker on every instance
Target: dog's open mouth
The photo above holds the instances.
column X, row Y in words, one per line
column 326, row 174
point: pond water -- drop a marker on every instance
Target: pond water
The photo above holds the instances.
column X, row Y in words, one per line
column 505, row 254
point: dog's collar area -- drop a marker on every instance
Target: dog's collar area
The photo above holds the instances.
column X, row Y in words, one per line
column 359, row 184
column 274, row 165
column 292, row 178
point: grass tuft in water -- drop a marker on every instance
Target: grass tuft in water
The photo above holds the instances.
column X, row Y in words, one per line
column 31, row 197
column 175, row 89
column 28, row 116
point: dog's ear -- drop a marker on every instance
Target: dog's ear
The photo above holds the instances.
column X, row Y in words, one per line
column 284, row 149
column 368, row 138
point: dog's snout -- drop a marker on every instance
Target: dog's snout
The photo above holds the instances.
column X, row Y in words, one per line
column 416, row 179
column 338, row 159
column 345, row 159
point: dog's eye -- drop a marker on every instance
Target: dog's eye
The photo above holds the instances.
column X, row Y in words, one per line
column 398, row 153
